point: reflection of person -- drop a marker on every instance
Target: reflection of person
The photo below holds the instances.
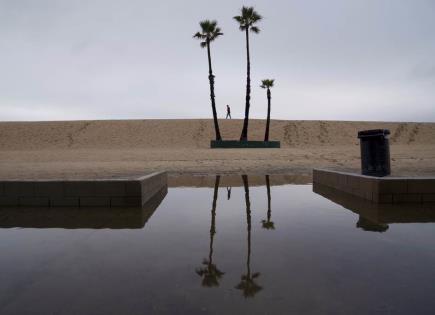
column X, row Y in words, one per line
column 228, row 112
column 228, row 193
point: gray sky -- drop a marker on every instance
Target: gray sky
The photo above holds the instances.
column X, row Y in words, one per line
column 113, row 59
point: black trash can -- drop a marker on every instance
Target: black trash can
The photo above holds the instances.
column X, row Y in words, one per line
column 375, row 152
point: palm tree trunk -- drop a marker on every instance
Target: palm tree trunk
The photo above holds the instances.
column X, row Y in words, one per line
column 213, row 105
column 269, row 199
column 213, row 219
column 248, row 221
column 266, row 135
column 244, row 135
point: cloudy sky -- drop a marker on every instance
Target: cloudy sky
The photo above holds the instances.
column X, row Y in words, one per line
column 113, row 59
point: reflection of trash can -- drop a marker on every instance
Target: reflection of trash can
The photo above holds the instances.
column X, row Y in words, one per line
column 370, row 226
column 375, row 152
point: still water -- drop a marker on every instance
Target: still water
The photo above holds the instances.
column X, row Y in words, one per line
column 235, row 246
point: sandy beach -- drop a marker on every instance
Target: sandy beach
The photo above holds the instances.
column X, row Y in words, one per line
column 77, row 149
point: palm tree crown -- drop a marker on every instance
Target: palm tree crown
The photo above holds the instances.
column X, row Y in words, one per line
column 267, row 83
column 247, row 19
column 209, row 32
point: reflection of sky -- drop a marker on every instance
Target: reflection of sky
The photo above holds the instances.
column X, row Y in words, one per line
column 315, row 261
column 354, row 60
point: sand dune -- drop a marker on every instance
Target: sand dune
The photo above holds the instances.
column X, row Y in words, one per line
column 124, row 147
column 194, row 133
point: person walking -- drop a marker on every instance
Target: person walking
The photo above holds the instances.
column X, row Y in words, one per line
column 228, row 112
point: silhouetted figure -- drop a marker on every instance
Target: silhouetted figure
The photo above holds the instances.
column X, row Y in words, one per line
column 267, row 224
column 228, row 112
column 210, row 273
column 247, row 283
column 228, row 193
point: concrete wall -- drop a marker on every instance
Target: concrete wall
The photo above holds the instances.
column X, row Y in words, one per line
column 82, row 193
column 379, row 189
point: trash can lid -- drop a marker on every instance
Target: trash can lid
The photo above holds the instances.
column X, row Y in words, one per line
column 373, row 133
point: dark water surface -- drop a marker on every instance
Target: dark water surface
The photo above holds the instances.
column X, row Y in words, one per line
column 220, row 251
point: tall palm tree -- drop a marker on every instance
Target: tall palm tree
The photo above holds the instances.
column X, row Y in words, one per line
column 267, row 224
column 210, row 273
column 246, row 21
column 267, row 84
column 247, row 283
column 209, row 32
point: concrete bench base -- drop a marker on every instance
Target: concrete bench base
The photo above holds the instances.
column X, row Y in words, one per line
column 235, row 144
column 388, row 190
column 133, row 192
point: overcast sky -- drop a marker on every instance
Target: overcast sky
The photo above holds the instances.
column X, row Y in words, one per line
column 113, row 59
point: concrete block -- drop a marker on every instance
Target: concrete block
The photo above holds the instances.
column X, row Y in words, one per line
column 9, row 201
column 342, row 182
column 12, row 188
column 34, row 201
column 368, row 187
column 79, row 188
column 316, row 176
column 94, row 201
column 64, row 202
column 334, row 179
column 109, row 188
column 422, row 186
column 354, row 183
column 392, row 186
column 134, row 192
column 385, row 198
column 48, row 189
column 133, row 188
column 406, row 198
column 428, row 197
column 125, row 201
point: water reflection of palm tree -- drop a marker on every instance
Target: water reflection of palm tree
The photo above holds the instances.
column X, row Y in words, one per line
column 210, row 273
column 267, row 224
column 247, row 283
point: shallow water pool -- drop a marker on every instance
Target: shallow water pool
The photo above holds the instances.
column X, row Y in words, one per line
column 236, row 246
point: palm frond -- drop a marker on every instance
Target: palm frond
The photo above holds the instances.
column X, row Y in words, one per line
column 209, row 31
column 248, row 18
column 206, row 25
column 255, row 29
column 267, row 83
column 256, row 17
column 238, row 18
column 198, row 35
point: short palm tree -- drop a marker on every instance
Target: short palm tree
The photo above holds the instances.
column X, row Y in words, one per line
column 210, row 274
column 267, row 84
column 267, row 224
column 209, row 32
column 247, row 21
